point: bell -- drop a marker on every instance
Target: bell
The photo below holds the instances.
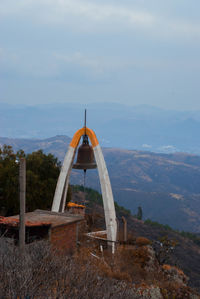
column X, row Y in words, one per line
column 85, row 157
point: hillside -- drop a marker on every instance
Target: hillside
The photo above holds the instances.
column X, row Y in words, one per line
column 165, row 185
column 185, row 253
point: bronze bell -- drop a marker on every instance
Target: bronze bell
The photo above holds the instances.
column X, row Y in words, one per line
column 85, row 157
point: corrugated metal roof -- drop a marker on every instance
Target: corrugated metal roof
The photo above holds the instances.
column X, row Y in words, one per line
column 41, row 218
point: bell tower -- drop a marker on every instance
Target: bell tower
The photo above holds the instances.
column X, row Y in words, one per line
column 86, row 161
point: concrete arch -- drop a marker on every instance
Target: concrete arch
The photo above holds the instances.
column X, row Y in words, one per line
column 63, row 181
column 77, row 136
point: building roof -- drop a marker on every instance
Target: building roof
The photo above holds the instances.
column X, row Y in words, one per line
column 11, row 221
column 74, row 205
column 42, row 218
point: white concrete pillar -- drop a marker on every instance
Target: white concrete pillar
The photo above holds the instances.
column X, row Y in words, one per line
column 108, row 201
column 63, row 180
column 62, row 207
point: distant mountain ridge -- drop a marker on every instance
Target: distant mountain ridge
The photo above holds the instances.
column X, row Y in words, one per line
column 133, row 127
column 166, row 186
column 55, row 145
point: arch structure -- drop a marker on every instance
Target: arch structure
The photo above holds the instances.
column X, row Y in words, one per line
column 60, row 195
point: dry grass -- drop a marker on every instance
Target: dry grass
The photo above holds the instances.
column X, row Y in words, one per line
column 42, row 273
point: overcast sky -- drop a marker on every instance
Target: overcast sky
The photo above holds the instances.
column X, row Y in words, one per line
column 130, row 51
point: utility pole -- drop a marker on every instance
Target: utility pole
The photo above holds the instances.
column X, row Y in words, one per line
column 22, row 196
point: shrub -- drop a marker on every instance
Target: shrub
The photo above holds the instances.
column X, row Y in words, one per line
column 42, row 273
column 141, row 241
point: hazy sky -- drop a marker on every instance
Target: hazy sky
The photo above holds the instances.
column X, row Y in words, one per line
column 130, row 51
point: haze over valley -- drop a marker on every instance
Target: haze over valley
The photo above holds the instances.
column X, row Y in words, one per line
column 116, row 125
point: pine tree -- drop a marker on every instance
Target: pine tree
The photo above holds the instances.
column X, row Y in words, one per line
column 139, row 213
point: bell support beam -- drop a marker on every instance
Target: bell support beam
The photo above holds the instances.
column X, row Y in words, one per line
column 77, row 136
column 108, row 201
column 59, row 199
column 63, row 180
column 62, row 207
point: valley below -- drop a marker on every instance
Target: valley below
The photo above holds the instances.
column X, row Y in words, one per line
column 166, row 186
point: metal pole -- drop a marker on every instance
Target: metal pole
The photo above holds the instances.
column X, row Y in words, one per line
column 85, row 122
column 84, row 178
column 22, row 192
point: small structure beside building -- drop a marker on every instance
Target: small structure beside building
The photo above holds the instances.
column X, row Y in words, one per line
column 74, row 208
column 61, row 229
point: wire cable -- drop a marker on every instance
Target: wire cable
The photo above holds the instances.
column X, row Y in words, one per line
column 84, row 181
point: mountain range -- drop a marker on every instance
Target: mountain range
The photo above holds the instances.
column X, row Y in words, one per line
column 131, row 127
column 166, row 186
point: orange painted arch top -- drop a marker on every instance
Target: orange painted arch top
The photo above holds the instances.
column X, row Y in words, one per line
column 76, row 138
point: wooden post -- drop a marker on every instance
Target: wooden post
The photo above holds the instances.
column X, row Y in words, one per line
column 125, row 228
column 118, row 237
column 22, row 195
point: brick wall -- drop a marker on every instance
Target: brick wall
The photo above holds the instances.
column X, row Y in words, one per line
column 78, row 211
column 63, row 237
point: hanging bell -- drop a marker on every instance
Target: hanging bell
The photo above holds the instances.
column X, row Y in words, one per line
column 85, row 157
